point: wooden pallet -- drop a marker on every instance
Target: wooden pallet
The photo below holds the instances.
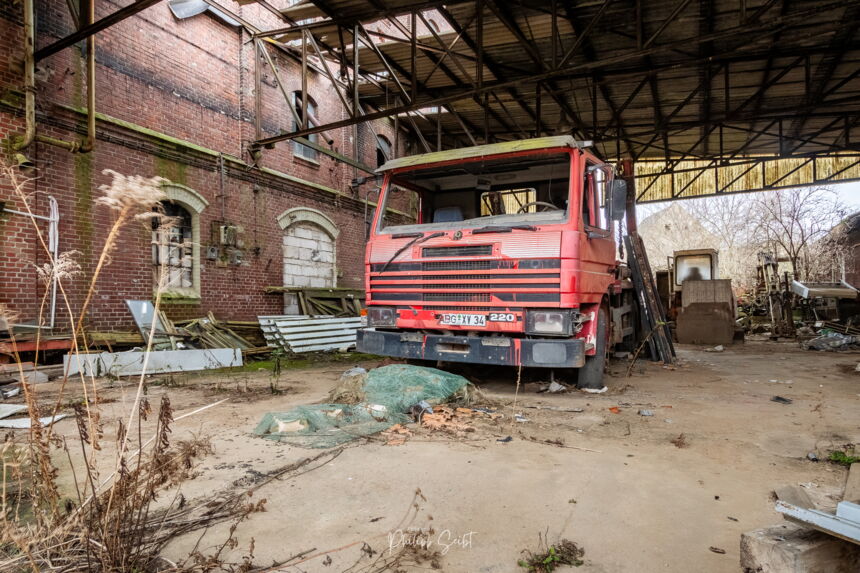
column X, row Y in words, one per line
column 325, row 301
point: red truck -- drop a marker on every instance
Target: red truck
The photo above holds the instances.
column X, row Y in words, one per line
column 499, row 254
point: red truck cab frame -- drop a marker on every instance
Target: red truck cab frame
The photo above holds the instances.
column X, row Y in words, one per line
column 533, row 294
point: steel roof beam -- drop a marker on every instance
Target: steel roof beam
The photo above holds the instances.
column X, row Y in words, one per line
column 94, row 28
column 750, row 32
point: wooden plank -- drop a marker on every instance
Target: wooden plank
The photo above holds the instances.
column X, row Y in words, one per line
column 646, row 287
column 852, row 485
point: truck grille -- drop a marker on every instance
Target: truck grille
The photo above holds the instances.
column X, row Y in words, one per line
column 503, row 282
column 460, row 251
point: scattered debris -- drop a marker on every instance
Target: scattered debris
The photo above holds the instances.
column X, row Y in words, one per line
column 794, row 495
column 396, row 435
column 549, row 557
column 448, row 420
column 555, row 387
column 719, row 550
column 717, row 348
column 156, row 362
column 555, row 408
column 730, row 518
column 7, row 410
column 831, row 341
column 209, row 332
column 594, row 390
column 520, row 418
column 25, row 423
column 10, row 393
column 505, row 440
column 324, row 301
column 389, row 393
column 781, row 400
column 680, row 441
column 419, row 409
column 646, row 413
column 615, row 410
column 812, row 457
column 559, row 443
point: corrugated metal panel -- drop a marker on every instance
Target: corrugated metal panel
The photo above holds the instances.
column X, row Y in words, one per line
column 310, row 333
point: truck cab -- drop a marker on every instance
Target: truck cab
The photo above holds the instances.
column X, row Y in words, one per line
column 495, row 254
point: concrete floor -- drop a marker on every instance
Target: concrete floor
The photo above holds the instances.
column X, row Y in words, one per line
column 636, row 503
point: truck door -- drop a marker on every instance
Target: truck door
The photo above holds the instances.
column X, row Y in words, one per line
column 597, row 250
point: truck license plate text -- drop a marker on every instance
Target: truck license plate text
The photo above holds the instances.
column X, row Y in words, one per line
column 464, row 319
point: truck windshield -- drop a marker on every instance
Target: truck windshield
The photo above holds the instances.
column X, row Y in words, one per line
column 499, row 193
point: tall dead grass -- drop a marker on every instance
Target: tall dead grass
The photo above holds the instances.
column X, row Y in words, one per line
column 115, row 522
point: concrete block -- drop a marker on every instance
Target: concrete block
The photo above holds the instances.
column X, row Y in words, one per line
column 302, row 232
column 789, row 548
column 795, row 495
column 291, row 251
column 306, row 254
column 852, row 486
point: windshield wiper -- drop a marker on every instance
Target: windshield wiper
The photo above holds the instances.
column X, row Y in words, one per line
column 417, row 240
column 503, row 229
column 406, row 235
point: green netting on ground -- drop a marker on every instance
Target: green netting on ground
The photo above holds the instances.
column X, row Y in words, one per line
column 389, row 393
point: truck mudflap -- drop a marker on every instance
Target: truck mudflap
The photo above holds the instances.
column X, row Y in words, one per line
column 533, row 353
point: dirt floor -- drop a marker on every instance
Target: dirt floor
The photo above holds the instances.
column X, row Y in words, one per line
column 638, row 493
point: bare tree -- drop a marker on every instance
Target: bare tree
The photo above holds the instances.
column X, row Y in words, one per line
column 728, row 219
column 794, row 222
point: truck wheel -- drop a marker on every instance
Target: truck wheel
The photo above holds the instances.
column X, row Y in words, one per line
column 591, row 375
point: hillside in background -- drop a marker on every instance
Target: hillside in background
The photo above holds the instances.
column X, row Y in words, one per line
column 673, row 229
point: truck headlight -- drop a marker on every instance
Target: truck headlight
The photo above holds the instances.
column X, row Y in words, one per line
column 553, row 322
column 381, row 316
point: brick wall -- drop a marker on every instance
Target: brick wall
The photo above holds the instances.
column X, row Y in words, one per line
column 190, row 80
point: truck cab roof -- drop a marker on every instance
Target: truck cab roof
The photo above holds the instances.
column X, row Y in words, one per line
column 491, row 149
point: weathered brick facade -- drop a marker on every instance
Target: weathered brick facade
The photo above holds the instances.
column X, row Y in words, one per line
column 176, row 99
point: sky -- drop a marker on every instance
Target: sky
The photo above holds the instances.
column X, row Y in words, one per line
column 849, row 193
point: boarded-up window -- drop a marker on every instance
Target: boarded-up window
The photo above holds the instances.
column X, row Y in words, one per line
column 172, row 247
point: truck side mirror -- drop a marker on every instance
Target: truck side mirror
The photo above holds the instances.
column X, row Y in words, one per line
column 618, row 200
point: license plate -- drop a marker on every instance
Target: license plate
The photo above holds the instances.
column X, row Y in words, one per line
column 464, row 319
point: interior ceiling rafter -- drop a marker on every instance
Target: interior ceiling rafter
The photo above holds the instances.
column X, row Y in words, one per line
column 663, row 81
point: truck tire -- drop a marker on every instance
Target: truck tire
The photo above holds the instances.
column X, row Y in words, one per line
column 591, row 375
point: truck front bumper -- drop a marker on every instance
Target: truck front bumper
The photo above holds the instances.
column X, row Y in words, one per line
column 531, row 352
